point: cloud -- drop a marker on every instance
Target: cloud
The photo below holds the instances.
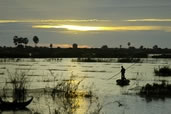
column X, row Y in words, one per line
column 149, row 20
column 51, row 21
column 91, row 25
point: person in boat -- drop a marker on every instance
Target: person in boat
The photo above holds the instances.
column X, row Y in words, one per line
column 123, row 73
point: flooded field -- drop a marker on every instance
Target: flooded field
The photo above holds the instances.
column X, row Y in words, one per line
column 95, row 78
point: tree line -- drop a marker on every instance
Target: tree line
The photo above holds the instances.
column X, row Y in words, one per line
column 23, row 41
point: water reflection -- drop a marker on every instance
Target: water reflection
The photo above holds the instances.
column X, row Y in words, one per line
column 68, row 105
column 107, row 90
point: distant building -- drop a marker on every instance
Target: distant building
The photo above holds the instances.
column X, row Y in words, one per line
column 75, row 46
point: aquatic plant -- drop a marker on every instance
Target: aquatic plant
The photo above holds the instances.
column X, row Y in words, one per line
column 69, row 88
column 129, row 60
column 92, row 60
column 156, row 90
column 162, row 56
column 18, row 82
column 162, row 71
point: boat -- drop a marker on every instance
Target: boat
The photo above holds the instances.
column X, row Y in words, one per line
column 4, row 105
column 122, row 82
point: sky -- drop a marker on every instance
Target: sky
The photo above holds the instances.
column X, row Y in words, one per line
column 89, row 23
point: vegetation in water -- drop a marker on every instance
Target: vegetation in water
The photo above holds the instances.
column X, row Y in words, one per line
column 67, row 94
column 162, row 56
column 162, row 71
column 155, row 90
column 129, row 60
column 69, row 88
column 18, row 82
column 92, row 60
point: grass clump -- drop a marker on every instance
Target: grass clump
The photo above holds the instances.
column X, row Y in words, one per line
column 162, row 71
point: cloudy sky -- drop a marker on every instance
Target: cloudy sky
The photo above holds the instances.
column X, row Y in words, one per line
column 89, row 23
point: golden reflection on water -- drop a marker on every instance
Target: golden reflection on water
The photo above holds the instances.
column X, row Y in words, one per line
column 83, row 104
column 79, row 103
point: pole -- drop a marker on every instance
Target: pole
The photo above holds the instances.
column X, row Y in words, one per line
column 119, row 72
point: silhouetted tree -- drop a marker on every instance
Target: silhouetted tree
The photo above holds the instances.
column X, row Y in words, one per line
column 35, row 40
column 104, row 47
column 20, row 40
column 15, row 40
column 51, row 45
column 120, row 46
column 141, row 47
column 75, row 46
column 155, row 47
column 25, row 41
column 131, row 47
column 129, row 44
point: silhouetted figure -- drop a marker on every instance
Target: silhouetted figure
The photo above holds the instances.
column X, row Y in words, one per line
column 123, row 73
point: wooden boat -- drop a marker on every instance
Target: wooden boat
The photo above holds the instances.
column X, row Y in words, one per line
column 122, row 82
column 14, row 105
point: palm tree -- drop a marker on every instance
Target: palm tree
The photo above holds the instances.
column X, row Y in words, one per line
column 51, row 45
column 15, row 40
column 155, row 47
column 141, row 47
column 120, row 46
column 129, row 44
column 35, row 40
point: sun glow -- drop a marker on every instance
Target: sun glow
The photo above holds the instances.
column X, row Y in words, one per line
column 80, row 28
column 52, row 21
column 103, row 28
column 70, row 27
